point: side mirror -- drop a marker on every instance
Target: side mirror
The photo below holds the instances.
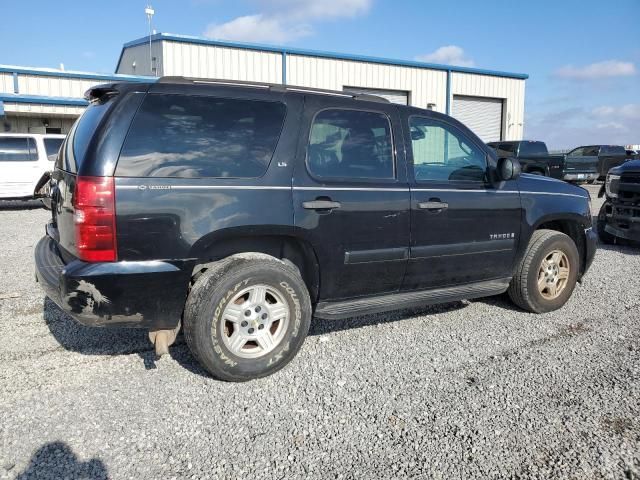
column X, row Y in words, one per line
column 508, row 168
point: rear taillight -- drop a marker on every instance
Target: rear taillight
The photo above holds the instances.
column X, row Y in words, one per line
column 95, row 219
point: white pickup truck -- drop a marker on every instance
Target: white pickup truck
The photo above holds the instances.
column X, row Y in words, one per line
column 24, row 158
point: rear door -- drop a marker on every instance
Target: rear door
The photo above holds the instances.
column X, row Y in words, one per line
column 463, row 229
column 18, row 166
column 351, row 198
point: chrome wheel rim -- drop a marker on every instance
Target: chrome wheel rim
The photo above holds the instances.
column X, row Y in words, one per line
column 553, row 275
column 255, row 321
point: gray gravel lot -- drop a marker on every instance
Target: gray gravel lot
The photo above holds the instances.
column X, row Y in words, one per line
column 466, row 390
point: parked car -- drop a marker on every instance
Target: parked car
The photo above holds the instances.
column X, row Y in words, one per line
column 590, row 163
column 23, row 160
column 619, row 216
column 632, row 155
column 244, row 209
column 532, row 155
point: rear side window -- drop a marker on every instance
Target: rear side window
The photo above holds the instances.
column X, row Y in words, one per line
column 190, row 136
column 351, row 144
column 51, row 146
column 16, row 150
column 613, row 150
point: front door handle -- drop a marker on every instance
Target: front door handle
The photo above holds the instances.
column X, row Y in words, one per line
column 320, row 205
column 433, row 205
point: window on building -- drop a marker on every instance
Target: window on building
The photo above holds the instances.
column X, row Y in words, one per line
column 351, row 144
column 441, row 152
column 15, row 149
column 193, row 136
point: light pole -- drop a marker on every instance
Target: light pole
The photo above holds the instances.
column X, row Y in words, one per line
column 150, row 11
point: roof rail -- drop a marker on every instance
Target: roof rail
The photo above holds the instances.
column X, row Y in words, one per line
column 275, row 87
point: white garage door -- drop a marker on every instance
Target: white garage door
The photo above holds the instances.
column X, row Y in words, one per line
column 482, row 115
column 394, row 96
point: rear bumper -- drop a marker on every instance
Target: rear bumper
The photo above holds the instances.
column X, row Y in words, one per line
column 580, row 176
column 148, row 294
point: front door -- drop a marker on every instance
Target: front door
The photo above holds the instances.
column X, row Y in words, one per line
column 350, row 196
column 19, row 166
column 463, row 229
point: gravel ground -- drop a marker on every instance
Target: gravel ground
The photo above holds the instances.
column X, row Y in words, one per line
column 465, row 390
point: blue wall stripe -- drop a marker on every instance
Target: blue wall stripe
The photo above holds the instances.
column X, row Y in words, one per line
column 314, row 53
column 44, row 100
column 64, row 74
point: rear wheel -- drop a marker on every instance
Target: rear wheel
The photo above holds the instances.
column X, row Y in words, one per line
column 547, row 275
column 247, row 317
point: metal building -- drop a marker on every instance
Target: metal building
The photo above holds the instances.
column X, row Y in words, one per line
column 491, row 103
column 41, row 100
column 36, row 100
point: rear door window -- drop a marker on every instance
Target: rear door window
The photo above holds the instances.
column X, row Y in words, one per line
column 351, row 144
column 193, row 136
column 16, row 149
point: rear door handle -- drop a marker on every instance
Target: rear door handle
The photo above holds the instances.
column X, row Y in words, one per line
column 433, row 205
column 320, row 205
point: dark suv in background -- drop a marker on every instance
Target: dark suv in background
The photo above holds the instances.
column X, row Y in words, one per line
column 244, row 209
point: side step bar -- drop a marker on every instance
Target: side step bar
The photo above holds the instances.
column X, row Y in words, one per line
column 396, row 301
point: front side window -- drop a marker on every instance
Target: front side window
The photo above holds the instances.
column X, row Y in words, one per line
column 576, row 152
column 591, row 151
column 351, row 144
column 15, row 150
column 442, row 153
column 192, row 137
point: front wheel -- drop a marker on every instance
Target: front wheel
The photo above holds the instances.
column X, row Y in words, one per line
column 547, row 275
column 247, row 317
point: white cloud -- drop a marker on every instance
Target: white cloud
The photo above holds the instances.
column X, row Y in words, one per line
column 257, row 28
column 630, row 111
column 593, row 71
column 447, row 55
column 571, row 127
column 284, row 20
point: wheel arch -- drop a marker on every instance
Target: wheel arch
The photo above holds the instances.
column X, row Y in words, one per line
column 275, row 243
column 573, row 228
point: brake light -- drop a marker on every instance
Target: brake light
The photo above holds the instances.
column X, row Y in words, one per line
column 95, row 219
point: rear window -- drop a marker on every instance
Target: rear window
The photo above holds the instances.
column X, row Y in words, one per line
column 76, row 147
column 51, row 146
column 192, row 136
column 531, row 149
column 17, row 150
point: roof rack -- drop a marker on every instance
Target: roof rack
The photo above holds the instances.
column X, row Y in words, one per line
column 275, row 87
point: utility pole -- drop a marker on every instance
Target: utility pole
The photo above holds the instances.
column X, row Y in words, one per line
column 150, row 12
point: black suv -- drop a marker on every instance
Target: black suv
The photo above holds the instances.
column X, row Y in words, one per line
column 243, row 210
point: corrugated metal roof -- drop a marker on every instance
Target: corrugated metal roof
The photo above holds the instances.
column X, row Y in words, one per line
column 313, row 53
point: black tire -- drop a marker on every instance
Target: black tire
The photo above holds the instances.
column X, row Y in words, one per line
column 523, row 289
column 214, row 290
column 605, row 237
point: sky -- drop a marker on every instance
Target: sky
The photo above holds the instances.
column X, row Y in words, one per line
column 582, row 57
